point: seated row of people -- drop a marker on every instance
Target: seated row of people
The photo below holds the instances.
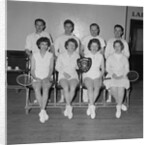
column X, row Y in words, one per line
column 58, row 47
column 42, row 64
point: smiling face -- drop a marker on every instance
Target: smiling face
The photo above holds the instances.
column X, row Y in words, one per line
column 94, row 30
column 68, row 28
column 43, row 46
column 118, row 47
column 71, row 47
column 118, row 32
column 94, row 48
column 39, row 26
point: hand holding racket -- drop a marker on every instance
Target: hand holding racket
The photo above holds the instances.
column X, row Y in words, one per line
column 26, row 80
column 132, row 76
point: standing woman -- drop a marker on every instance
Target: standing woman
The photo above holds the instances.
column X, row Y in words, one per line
column 66, row 65
column 117, row 66
column 93, row 78
column 41, row 71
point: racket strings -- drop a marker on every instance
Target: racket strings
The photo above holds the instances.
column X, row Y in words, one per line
column 24, row 80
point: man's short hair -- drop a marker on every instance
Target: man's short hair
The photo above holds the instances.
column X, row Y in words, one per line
column 68, row 21
column 117, row 25
column 41, row 20
column 95, row 24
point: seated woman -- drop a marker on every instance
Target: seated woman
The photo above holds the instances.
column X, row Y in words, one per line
column 66, row 65
column 117, row 66
column 93, row 78
column 41, row 71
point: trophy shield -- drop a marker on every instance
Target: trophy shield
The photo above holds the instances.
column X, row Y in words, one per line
column 84, row 64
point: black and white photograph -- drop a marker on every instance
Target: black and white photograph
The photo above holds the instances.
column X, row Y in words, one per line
column 74, row 72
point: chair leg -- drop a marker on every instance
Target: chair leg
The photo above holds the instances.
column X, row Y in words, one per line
column 55, row 96
column 27, row 106
column 104, row 97
column 128, row 97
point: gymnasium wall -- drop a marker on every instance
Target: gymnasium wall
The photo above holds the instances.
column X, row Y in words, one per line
column 133, row 13
column 21, row 16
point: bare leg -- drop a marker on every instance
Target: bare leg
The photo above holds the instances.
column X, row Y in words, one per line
column 73, row 84
column 65, row 85
column 46, row 86
column 114, row 93
column 61, row 97
column 97, row 86
column 37, row 88
column 89, row 84
column 121, row 91
column 118, row 94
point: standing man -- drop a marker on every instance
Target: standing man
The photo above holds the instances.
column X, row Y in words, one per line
column 32, row 38
column 94, row 33
column 59, row 43
column 118, row 33
column 31, row 46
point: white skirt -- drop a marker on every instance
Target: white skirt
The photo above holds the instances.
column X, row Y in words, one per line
column 124, row 82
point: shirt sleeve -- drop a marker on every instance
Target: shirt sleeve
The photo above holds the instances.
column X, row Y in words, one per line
column 83, row 44
column 107, row 50
column 103, row 44
column 109, row 67
column 28, row 43
column 77, row 57
column 51, row 39
column 59, row 64
column 126, row 50
column 126, row 67
column 56, row 46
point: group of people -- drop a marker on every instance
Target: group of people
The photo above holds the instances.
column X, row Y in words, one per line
column 111, row 58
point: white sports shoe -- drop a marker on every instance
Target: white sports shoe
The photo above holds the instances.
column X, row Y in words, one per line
column 118, row 111
column 88, row 112
column 93, row 115
column 45, row 115
column 42, row 117
column 124, row 107
column 70, row 114
column 66, row 112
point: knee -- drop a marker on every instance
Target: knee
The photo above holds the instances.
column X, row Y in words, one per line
column 65, row 88
column 72, row 88
column 89, row 88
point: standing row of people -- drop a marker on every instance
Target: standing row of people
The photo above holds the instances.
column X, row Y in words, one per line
column 66, row 49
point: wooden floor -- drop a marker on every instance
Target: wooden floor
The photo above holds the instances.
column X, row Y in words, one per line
column 22, row 128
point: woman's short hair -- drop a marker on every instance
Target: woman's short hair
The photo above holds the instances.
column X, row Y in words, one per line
column 73, row 41
column 120, row 42
column 43, row 39
column 41, row 20
column 94, row 41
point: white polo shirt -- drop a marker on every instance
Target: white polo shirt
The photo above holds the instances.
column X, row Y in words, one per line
column 67, row 63
column 32, row 39
column 85, row 42
column 59, row 43
column 42, row 64
column 110, row 49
